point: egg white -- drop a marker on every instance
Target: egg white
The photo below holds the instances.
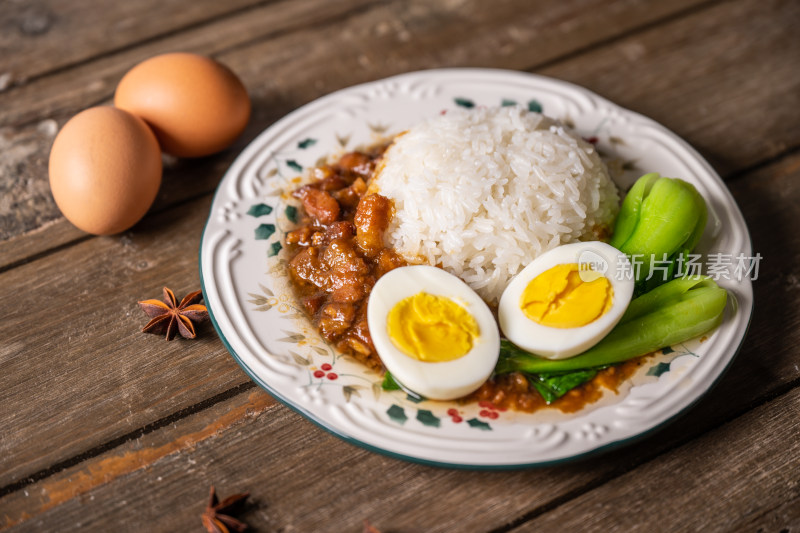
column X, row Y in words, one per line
column 560, row 343
column 445, row 380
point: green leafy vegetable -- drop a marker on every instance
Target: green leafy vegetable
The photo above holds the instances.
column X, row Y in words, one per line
column 554, row 386
column 661, row 219
column 681, row 310
column 389, row 383
column 665, row 295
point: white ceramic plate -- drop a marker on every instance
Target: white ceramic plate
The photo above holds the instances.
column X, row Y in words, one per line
column 242, row 262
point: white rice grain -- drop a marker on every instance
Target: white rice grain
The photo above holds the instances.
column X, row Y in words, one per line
column 483, row 192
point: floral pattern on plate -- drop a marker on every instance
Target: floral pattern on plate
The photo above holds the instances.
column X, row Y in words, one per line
column 243, row 271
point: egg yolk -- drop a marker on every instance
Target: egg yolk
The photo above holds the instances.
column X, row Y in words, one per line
column 431, row 328
column 566, row 297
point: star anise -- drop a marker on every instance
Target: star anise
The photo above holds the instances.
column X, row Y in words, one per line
column 170, row 317
column 216, row 518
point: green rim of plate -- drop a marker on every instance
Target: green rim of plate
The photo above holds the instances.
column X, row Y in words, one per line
column 600, row 450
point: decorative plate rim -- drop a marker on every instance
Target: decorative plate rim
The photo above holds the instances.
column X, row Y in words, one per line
column 672, row 413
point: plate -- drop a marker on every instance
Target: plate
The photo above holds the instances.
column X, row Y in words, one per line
column 246, row 288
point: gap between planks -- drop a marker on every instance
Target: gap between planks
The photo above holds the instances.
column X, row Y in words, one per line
column 125, row 464
column 243, row 388
column 781, row 391
column 738, row 173
column 135, row 44
column 601, row 43
column 613, row 39
column 625, row 467
column 356, row 10
column 133, row 435
column 371, row 4
column 730, row 178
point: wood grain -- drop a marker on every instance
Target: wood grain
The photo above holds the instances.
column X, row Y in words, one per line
column 33, row 35
column 724, row 79
column 75, row 485
column 126, row 431
column 744, row 473
column 292, row 451
column 363, row 36
column 284, row 86
column 302, row 50
column 65, row 93
column 25, row 199
column 71, row 343
column 303, row 479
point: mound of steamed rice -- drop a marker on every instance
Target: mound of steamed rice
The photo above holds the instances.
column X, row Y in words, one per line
column 483, row 192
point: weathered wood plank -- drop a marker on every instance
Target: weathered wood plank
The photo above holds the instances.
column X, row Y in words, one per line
column 725, row 79
column 292, row 69
column 754, row 457
column 25, row 199
column 744, row 473
column 290, row 451
column 65, row 93
column 138, row 386
column 302, row 478
column 29, row 204
column 75, row 485
column 70, row 343
column 302, row 58
column 767, row 364
column 38, row 37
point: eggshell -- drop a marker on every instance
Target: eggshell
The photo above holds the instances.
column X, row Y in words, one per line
column 195, row 105
column 105, row 170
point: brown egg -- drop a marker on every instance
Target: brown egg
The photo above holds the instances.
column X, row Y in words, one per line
column 105, row 170
column 195, row 105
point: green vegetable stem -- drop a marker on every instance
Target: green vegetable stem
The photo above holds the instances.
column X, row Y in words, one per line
column 675, row 312
column 659, row 218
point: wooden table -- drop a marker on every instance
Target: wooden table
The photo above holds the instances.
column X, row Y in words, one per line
column 108, row 429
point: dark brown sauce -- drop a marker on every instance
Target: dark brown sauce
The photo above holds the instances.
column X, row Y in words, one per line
column 338, row 252
column 513, row 391
column 337, row 255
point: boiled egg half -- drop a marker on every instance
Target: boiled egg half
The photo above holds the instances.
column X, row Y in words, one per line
column 432, row 332
column 567, row 299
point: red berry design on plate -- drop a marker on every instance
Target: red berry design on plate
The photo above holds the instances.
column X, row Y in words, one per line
column 454, row 415
column 490, row 410
column 319, row 374
column 326, row 367
column 332, row 376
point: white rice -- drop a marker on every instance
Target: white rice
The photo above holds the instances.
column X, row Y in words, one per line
column 483, row 192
